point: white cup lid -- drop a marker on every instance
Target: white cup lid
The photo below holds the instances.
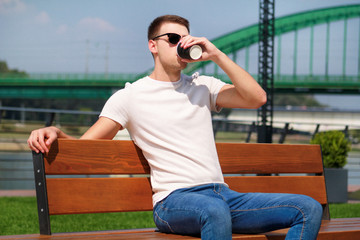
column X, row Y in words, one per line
column 195, row 52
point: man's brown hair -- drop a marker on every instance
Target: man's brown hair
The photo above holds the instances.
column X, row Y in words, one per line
column 157, row 22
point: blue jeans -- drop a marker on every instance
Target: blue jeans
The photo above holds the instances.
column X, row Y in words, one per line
column 214, row 212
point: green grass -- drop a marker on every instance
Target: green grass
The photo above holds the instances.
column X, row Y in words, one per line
column 345, row 210
column 18, row 215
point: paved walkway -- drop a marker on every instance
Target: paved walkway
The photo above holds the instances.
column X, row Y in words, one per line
column 353, row 188
column 20, row 146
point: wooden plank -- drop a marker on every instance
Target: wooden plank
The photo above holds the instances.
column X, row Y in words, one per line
column 95, row 157
column 86, row 195
column 337, row 229
column 96, row 195
column 313, row 186
column 346, row 235
column 124, row 235
column 340, row 224
column 124, row 157
column 269, row 158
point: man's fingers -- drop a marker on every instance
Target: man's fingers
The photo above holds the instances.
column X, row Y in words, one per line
column 31, row 146
column 41, row 140
column 33, row 143
column 36, row 141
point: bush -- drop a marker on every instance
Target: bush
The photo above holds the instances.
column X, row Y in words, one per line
column 334, row 147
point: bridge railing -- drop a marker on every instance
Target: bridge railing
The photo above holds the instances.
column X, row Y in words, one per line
column 220, row 123
column 101, row 86
column 66, row 79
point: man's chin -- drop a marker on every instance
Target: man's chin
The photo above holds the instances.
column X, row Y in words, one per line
column 183, row 65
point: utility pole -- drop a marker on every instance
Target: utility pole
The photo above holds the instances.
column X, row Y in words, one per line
column 266, row 68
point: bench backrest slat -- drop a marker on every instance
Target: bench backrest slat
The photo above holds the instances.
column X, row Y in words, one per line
column 124, row 157
column 269, row 158
column 95, row 195
column 98, row 195
column 95, row 157
column 313, row 186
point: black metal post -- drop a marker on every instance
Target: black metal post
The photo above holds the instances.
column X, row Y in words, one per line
column 346, row 132
column 266, row 68
column 41, row 193
column 50, row 119
column 251, row 129
column 284, row 133
column 316, row 130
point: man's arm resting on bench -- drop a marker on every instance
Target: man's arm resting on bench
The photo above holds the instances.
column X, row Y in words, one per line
column 41, row 139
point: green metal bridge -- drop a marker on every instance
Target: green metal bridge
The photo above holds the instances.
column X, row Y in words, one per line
column 240, row 42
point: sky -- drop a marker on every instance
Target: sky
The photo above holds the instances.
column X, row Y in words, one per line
column 75, row 36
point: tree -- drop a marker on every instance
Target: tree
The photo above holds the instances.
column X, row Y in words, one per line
column 5, row 71
column 3, row 67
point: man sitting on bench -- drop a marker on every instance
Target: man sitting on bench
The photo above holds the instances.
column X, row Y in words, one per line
column 168, row 115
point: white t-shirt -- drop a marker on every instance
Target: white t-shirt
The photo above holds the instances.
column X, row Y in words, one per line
column 171, row 123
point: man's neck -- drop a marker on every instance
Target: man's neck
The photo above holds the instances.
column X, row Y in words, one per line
column 165, row 76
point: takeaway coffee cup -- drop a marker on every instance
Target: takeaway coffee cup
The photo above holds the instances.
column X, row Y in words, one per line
column 193, row 53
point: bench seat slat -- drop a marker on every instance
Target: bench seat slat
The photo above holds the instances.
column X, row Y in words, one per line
column 340, row 224
column 339, row 229
column 313, row 186
column 124, row 157
column 124, row 235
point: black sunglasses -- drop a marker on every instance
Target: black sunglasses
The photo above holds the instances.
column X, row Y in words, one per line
column 173, row 37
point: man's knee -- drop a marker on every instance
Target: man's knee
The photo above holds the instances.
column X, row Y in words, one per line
column 315, row 209
column 310, row 208
column 216, row 222
column 312, row 205
column 218, row 214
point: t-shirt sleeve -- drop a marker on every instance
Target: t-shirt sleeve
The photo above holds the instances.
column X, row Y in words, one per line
column 215, row 86
column 116, row 107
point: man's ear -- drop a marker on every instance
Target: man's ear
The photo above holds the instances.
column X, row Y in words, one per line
column 152, row 46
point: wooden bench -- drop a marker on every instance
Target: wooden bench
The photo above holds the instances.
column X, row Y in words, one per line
column 242, row 165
